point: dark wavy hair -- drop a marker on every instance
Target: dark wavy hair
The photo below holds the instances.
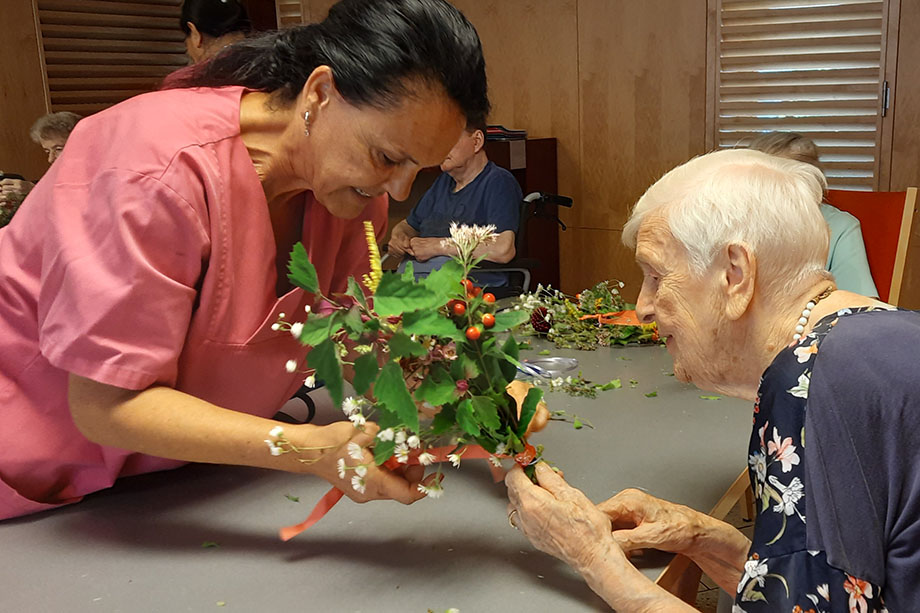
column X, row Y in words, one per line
column 214, row 17
column 375, row 48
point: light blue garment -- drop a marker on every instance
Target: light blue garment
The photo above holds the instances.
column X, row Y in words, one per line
column 846, row 258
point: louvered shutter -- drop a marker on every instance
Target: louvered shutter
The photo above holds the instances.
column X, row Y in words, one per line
column 292, row 12
column 100, row 52
column 807, row 66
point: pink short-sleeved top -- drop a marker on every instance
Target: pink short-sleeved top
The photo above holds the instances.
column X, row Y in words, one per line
column 146, row 257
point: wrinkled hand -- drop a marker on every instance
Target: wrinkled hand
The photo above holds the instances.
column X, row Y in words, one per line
column 398, row 245
column 559, row 519
column 642, row 521
column 423, row 249
column 11, row 187
column 380, row 483
column 518, row 391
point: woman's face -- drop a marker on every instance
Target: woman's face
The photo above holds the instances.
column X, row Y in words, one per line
column 688, row 308
column 53, row 147
column 360, row 152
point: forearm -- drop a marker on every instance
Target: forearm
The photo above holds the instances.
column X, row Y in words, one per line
column 501, row 250
column 626, row 589
column 167, row 423
column 720, row 550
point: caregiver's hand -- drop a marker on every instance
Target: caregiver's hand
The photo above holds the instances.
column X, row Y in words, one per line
column 642, row 521
column 378, row 483
column 558, row 519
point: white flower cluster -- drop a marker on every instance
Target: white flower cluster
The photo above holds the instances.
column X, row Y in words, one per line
column 277, row 440
column 352, row 408
column 359, row 479
column 435, row 490
column 466, row 238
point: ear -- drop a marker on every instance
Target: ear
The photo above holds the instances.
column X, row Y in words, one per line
column 479, row 140
column 194, row 36
column 740, row 270
column 318, row 91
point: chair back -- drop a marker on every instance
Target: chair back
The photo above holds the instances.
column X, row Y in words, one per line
column 885, row 218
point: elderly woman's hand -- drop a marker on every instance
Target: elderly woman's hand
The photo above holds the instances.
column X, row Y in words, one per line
column 559, row 519
column 642, row 521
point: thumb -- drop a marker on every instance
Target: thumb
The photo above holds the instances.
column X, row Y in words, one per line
column 644, row 536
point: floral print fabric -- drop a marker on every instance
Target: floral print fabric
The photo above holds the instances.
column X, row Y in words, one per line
column 781, row 574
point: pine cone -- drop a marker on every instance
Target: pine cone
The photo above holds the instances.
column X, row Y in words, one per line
column 538, row 319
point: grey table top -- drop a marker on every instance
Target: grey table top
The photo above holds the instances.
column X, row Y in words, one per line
column 139, row 546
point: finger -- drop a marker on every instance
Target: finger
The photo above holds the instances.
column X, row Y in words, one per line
column 642, row 537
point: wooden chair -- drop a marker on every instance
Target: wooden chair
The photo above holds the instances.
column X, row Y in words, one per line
column 885, row 218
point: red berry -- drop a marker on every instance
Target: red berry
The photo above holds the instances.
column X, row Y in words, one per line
column 467, row 284
column 473, row 333
column 487, row 297
column 488, row 320
column 476, row 291
column 538, row 319
column 459, row 308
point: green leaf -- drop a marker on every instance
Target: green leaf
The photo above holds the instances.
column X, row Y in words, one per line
column 464, row 367
column 317, row 328
column 394, row 296
column 401, row 346
column 444, row 420
column 391, row 391
column 409, row 272
column 430, row 322
column 352, row 322
column 210, row 545
column 444, row 282
column 383, row 451
column 613, row 384
column 365, row 372
column 437, row 389
column 510, row 364
column 292, row 498
column 325, row 359
column 525, row 346
column 301, row 271
column 576, row 423
column 544, row 352
column 711, row 397
column 509, row 319
column 486, row 412
column 466, row 419
column 651, row 395
column 354, row 290
column 528, row 409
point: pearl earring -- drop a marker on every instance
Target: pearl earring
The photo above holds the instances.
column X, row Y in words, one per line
column 306, row 123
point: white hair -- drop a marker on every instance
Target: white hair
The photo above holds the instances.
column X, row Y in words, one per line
column 743, row 196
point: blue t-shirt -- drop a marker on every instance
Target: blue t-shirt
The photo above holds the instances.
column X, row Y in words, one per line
column 846, row 255
column 493, row 197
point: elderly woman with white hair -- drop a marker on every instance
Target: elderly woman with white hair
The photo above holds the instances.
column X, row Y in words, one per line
column 732, row 246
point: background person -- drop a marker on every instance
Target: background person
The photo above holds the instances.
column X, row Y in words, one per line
column 470, row 190
column 50, row 132
column 846, row 255
column 211, row 25
column 732, row 249
column 140, row 284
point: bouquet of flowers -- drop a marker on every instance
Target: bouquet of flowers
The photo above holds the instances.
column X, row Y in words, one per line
column 9, row 208
column 597, row 316
column 424, row 347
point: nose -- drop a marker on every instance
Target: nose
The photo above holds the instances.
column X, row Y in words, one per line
column 52, row 155
column 399, row 185
column 645, row 304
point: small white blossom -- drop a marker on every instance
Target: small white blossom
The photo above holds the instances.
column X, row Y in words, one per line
column 296, row 329
column 402, row 453
column 358, row 419
column 413, row 442
column 621, row 284
column 271, row 444
column 517, row 307
column 276, row 326
column 307, row 309
column 386, row 435
column 454, row 459
column 355, row 451
column 340, row 465
column 495, row 461
column 290, row 365
column 310, row 381
column 361, row 470
column 280, row 315
column 466, row 238
column 401, row 437
column 358, row 484
column 557, row 382
column 500, row 449
column 276, row 431
column 426, row 459
column 350, row 406
column 432, row 491
column 276, row 451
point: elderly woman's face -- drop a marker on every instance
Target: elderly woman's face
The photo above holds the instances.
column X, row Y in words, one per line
column 686, row 307
column 362, row 152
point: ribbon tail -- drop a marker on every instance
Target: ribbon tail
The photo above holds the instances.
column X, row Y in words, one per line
column 322, row 507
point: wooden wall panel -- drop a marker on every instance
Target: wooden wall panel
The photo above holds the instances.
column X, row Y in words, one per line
column 22, row 91
column 597, row 254
column 642, row 79
column 905, row 156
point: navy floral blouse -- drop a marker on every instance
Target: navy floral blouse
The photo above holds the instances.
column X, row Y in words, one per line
column 781, row 573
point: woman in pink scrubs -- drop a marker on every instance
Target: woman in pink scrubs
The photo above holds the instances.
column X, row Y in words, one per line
column 139, row 281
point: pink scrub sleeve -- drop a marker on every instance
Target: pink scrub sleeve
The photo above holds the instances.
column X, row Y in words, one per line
column 118, row 280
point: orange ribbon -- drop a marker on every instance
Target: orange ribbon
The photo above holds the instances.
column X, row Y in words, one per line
column 325, row 504
column 619, row 318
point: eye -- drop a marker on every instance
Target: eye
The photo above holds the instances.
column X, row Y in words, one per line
column 387, row 160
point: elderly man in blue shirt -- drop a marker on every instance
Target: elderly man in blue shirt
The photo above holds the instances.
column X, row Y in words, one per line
column 470, row 190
